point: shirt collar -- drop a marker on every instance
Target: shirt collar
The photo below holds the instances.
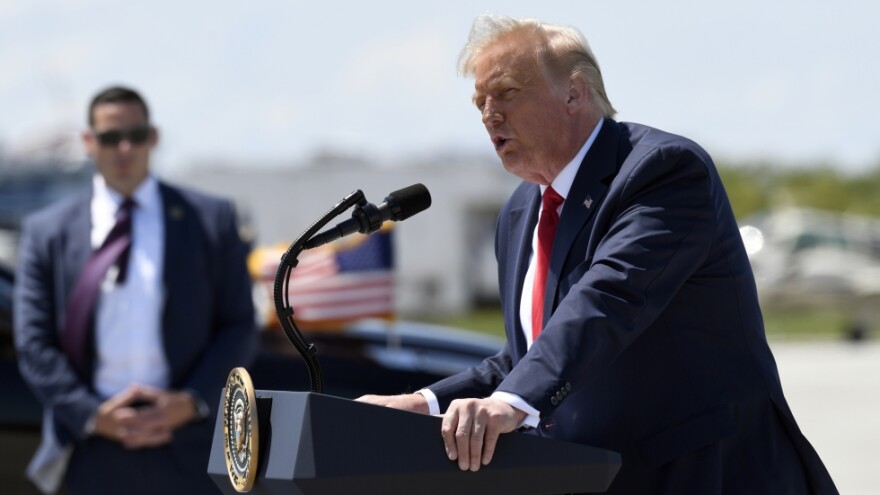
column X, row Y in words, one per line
column 563, row 181
column 146, row 196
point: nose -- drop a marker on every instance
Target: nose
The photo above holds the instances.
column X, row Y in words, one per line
column 125, row 145
column 491, row 113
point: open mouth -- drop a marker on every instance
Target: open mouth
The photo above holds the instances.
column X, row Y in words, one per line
column 499, row 142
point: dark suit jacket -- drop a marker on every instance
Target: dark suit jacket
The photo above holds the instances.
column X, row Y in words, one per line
column 208, row 324
column 653, row 344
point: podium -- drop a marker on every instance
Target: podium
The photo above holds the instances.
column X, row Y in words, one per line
column 319, row 444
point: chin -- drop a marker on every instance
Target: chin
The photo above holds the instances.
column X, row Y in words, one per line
column 517, row 168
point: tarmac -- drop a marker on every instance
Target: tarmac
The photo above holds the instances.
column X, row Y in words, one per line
column 833, row 389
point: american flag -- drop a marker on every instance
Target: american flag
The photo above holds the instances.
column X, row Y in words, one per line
column 332, row 284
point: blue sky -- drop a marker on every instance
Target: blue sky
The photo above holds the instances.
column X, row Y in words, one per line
column 277, row 81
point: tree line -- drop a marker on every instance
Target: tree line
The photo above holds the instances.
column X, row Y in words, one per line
column 759, row 186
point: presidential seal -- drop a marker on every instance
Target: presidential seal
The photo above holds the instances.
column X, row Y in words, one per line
column 241, row 433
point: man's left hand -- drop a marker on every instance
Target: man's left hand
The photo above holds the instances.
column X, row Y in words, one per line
column 168, row 409
column 471, row 428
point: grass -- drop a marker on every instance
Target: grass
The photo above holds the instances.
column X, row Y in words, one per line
column 780, row 323
column 486, row 320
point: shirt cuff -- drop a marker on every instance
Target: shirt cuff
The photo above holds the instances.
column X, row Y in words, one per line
column 433, row 403
column 532, row 418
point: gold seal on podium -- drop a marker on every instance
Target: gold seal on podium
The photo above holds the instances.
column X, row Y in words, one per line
column 241, row 432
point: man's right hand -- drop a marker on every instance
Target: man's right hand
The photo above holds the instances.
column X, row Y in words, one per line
column 119, row 419
column 407, row 402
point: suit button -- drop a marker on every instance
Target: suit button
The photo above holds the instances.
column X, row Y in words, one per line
column 554, row 401
column 559, row 395
column 568, row 386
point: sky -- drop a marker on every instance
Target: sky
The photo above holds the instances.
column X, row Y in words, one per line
column 277, row 82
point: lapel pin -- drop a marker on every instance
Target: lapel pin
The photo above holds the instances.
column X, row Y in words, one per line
column 588, row 202
column 175, row 212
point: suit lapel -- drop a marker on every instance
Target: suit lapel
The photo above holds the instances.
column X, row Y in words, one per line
column 585, row 197
column 77, row 247
column 522, row 224
column 177, row 237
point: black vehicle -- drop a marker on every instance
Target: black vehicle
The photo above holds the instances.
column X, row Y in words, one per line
column 369, row 356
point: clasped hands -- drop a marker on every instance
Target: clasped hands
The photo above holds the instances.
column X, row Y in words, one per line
column 470, row 427
column 142, row 416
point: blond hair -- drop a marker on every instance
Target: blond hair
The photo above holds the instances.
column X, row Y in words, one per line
column 562, row 50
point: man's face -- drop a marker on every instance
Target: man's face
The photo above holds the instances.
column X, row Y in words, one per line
column 525, row 113
column 119, row 143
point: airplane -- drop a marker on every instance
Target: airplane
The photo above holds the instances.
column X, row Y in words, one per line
column 808, row 258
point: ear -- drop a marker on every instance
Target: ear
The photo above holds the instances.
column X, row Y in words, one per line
column 154, row 136
column 578, row 94
column 89, row 142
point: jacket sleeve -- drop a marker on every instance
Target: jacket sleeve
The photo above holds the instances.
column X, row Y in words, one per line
column 42, row 363
column 479, row 381
column 233, row 324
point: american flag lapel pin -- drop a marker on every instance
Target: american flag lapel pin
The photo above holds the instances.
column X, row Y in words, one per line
column 588, row 202
column 175, row 212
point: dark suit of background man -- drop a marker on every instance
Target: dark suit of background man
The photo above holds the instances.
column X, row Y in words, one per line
column 652, row 341
column 160, row 344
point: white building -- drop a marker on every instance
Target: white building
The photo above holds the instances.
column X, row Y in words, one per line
column 444, row 255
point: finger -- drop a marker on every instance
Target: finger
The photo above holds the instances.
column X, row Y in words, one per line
column 148, row 393
column 126, row 416
column 123, row 398
column 463, row 440
column 151, row 417
column 489, row 443
column 476, row 444
column 447, row 430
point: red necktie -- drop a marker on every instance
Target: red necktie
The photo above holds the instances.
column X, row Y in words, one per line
column 546, row 232
column 114, row 250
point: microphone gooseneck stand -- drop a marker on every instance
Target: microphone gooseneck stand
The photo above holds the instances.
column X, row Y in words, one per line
column 282, row 280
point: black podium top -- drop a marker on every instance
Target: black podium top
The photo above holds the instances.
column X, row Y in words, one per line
column 318, row 444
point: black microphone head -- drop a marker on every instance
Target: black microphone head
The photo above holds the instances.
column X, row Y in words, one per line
column 408, row 201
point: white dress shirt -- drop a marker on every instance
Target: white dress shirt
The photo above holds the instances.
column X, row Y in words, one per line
column 562, row 184
column 128, row 317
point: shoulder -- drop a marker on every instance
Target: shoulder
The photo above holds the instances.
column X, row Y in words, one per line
column 659, row 158
column 646, row 140
column 656, row 155
column 198, row 200
column 58, row 214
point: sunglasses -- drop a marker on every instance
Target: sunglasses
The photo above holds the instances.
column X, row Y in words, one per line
column 136, row 136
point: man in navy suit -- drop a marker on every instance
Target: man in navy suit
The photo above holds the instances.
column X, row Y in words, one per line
column 638, row 329
column 159, row 342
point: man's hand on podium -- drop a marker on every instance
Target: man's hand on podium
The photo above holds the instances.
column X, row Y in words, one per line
column 471, row 428
column 407, row 402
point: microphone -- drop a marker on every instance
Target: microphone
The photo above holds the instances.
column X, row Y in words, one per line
column 398, row 205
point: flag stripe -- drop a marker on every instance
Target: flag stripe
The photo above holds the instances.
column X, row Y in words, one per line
column 335, row 283
column 347, row 296
column 341, row 312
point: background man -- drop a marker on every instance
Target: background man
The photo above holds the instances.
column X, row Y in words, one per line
column 630, row 307
column 132, row 304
